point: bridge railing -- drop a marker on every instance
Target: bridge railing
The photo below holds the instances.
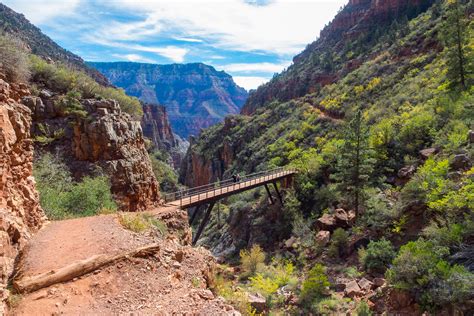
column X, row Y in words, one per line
column 218, row 187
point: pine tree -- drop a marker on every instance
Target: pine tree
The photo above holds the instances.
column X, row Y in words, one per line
column 355, row 164
column 455, row 35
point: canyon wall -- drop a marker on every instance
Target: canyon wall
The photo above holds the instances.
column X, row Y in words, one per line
column 156, row 127
column 105, row 138
column 20, row 212
column 334, row 53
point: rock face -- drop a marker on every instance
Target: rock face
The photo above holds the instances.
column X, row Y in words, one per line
column 156, row 127
column 20, row 212
column 107, row 138
column 316, row 67
column 196, row 96
column 115, row 142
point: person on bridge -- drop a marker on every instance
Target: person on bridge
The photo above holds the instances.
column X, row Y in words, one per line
column 234, row 177
column 238, row 177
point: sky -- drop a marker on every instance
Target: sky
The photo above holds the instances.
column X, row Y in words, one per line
column 249, row 39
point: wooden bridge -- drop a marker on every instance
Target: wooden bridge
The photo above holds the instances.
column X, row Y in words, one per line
column 211, row 193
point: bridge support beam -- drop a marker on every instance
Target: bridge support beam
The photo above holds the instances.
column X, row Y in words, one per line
column 193, row 217
column 278, row 192
column 269, row 195
column 203, row 223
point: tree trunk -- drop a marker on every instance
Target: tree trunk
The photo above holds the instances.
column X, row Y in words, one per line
column 77, row 269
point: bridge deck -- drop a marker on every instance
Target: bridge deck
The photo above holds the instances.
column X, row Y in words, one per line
column 216, row 193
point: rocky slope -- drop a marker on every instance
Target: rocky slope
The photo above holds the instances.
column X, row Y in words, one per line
column 105, row 138
column 18, row 26
column 156, row 127
column 196, row 96
column 341, row 48
column 20, row 212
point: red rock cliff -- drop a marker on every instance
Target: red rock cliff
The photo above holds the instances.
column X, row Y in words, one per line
column 20, row 212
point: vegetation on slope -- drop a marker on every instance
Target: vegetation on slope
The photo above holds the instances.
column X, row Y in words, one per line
column 415, row 205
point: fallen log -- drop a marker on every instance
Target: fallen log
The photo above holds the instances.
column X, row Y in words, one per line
column 77, row 269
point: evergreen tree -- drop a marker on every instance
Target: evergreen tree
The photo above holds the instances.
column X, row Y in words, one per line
column 455, row 35
column 355, row 163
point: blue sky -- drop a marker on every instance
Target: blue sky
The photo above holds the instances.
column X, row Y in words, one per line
column 250, row 39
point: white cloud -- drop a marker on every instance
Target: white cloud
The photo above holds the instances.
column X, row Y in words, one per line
column 254, row 67
column 281, row 26
column 134, row 58
column 249, row 83
column 39, row 11
column 174, row 53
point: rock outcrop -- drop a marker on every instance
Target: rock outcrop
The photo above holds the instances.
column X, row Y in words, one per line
column 20, row 212
column 115, row 142
column 196, row 95
column 157, row 128
column 107, row 138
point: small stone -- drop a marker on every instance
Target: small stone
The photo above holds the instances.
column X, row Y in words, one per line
column 323, row 237
column 290, row 242
column 176, row 265
column 258, row 302
column 426, row 153
column 378, row 282
column 365, row 284
column 179, row 256
column 352, row 289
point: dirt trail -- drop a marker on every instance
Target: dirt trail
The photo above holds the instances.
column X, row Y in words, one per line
column 172, row 282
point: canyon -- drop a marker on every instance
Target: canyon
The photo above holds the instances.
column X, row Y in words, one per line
column 195, row 96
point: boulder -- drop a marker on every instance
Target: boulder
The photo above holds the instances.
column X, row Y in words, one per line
column 461, row 162
column 471, row 136
column 406, row 172
column 352, row 289
column 290, row 242
column 426, row 153
column 340, row 284
column 365, row 284
column 323, row 237
column 378, row 282
column 326, row 222
column 258, row 302
column 351, row 217
column 342, row 218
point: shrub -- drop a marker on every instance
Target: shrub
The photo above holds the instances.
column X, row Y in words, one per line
column 272, row 278
column 315, row 284
column 64, row 79
column 165, row 175
column 338, row 245
column 252, row 261
column 139, row 223
column 61, row 198
column 420, row 268
column 89, row 196
column 363, row 309
column 378, row 256
column 14, row 59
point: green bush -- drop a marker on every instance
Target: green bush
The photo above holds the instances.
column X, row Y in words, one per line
column 252, row 261
column 89, row 196
column 377, row 256
column 338, row 245
column 61, row 198
column 314, row 286
column 420, row 268
column 363, row 309
column 14, row 59
column 165, row 175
